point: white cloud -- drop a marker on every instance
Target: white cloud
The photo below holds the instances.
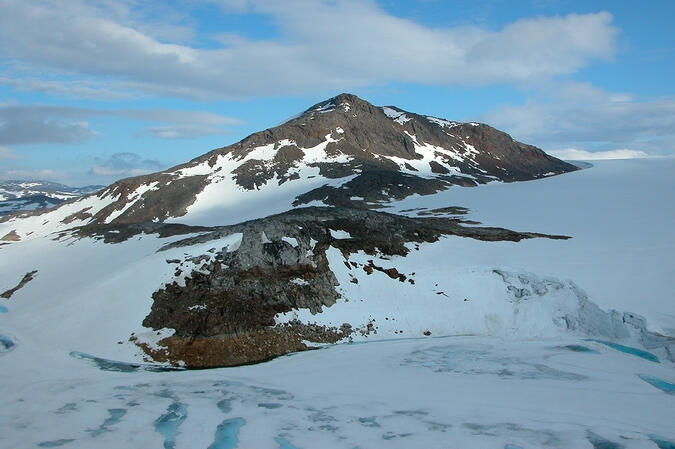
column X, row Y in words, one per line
column 7, row 153
column 80, row 88
column 183, row 131
column 170, row 116
column 21, row 124
column 45, row 174
column 125, row 164
column 324, row 45
column 581, row 115
column 573, row 154
column 18, row 130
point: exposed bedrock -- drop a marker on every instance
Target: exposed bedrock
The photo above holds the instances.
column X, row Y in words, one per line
column 227, row 305
column 26, row 279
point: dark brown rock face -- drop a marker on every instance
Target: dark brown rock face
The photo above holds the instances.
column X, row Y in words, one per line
column 26, row 279
column 378, row 146
column 227, row 305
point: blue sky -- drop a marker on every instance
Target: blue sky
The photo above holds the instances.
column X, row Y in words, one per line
column 93, row 91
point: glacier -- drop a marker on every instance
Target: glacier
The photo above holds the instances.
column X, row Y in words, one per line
column 516, row 354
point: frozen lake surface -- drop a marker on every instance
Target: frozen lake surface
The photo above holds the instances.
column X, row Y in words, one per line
column 472, row 391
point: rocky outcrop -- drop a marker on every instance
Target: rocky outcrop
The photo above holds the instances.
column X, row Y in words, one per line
column 223, row 312
column 25, row 280
column 252, row 346
column 11, row 236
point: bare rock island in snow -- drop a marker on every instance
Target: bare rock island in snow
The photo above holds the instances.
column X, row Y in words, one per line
column 286, row 218
column 225, row 311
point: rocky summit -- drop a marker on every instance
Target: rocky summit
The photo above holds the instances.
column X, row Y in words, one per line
column 268, row 234
column 340, row 152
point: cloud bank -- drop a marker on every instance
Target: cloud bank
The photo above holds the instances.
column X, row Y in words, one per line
column 585, row 116
column 125, row 164
column 7, row 153
column 572, row 154
column 40, row 174
column 31, row 124
column 322, row 45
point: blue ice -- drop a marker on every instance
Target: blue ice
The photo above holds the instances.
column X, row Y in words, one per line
column 661, row 384
column 116, row 415
column 225, row 406
column 122, row 367
column 3, row 309
column 55, row 443
column 629, row 350
column 284, row 443
column 167, row 424
column 579, row 348
column 6, row 341
column 227, row 434
column 661, row 442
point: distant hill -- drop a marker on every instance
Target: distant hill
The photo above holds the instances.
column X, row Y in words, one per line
column 31, row 195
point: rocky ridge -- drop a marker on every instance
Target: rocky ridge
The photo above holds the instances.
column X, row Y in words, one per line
column 342, row 152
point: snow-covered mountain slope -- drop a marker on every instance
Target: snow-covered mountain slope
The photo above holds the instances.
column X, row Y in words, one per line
column 406, row 281
column 29, row 195
column 618, row 215
column 527, row 374
column 343, row 152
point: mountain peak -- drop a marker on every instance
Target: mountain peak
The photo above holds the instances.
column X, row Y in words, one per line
column 343, row 151
column 345, row 96
column 343, row 101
